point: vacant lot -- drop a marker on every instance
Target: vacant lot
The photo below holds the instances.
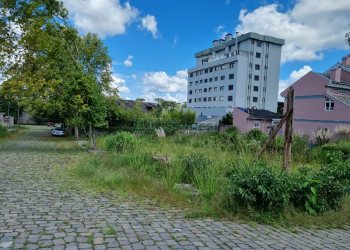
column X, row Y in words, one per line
column 36, row 212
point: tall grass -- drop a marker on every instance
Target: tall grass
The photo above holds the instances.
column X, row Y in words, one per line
column 3, row 131
column 202, row 161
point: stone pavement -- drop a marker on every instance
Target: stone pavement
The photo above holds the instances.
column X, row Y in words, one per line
column 36, row 214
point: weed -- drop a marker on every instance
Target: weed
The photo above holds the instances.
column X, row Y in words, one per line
column 110, row 230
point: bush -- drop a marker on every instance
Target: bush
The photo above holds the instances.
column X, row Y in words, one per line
column 322, row 190
column 3, row 131
column 191, row 164
column 121, row 142
column 331, row 152
column 256, row 135
column 259, row 187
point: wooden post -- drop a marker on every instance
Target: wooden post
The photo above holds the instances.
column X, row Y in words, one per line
column 288, row 133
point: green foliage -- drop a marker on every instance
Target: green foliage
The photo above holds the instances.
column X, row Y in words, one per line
column 121, row 142
column 192, row 164
column 321, row 190
column 3, row 131
column 256, row 135
column 258, row 186
column 331, row 152
column 227, row 119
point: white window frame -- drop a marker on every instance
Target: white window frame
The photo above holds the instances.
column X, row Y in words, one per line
column 328, row 104
column 256, row 124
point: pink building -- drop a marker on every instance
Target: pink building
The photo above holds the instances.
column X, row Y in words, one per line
column 322, row 100
column 248, row 119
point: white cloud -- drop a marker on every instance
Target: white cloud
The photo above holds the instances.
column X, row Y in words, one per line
column 219, row 29
column 160, row 84
column 309, row 28
column 293, row 77
column 104, row 17
column 227, row 2
column 119, row 83
column 149, row 23
column 128, row 61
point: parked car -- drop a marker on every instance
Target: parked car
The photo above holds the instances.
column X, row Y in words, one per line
column 57, row 132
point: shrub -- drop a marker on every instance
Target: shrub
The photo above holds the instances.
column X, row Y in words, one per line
column 256, row 135
column 321, row 190
column 121, row 142
column 322, row 136
column 258, row 186
column 191, row 164
column 331, row 152
column 3, row 131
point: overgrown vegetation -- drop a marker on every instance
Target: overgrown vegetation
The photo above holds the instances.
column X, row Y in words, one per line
column 3, row 131
column 218, row 174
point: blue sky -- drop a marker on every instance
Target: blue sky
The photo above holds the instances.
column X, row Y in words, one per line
column 152, row 42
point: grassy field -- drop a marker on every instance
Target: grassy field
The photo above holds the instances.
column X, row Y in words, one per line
column 193, row 172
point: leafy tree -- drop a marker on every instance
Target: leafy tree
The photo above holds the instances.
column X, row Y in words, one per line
column 227, row 119
column 347, row 38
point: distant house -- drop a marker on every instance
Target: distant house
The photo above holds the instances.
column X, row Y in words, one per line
column 322, row 100
column 248, row 119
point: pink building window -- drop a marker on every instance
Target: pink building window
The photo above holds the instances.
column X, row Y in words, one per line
column 329, row 104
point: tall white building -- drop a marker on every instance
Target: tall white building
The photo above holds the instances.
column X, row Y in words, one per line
column 228, row 76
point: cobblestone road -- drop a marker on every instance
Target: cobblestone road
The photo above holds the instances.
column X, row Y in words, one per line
column 35, row 213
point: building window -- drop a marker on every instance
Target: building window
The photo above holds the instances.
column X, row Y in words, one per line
column 221, row 98
column 255, row 99
column 229, row 98
column 231, row 76
column 195, row 99
column 216, row 78
column 196, row 91
column 215, row 98
column 204, row 99
column 258, row 43
column 256, row 88
column 257, row 55
column 230, row 87
column 222, row 88
column 211, row 69
column 256, row 77
column 196, row 82
column 250, row 76
column 205, row 80
column 200, row 90
column 205, row 89
column 190, row 92
column 231, row 65
column 201, row 81
column 223, row 67
column 257, row 66
column 216, row 68
column 210, row 89
column 222, row 78
column 189, row 100
column 209, row 99
column 206, row 71
column 191, row 74
column 215, row 89
column 210, row 79
column 256, row 124
column 199, row 99
column 191, row 84
column 329, row 104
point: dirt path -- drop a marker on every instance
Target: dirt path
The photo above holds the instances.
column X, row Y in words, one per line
column 36, row 213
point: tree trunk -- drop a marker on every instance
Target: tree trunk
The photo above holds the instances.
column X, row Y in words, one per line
column 18, row 116
column 93, row 138
column 76, row 132
column 90, row 135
